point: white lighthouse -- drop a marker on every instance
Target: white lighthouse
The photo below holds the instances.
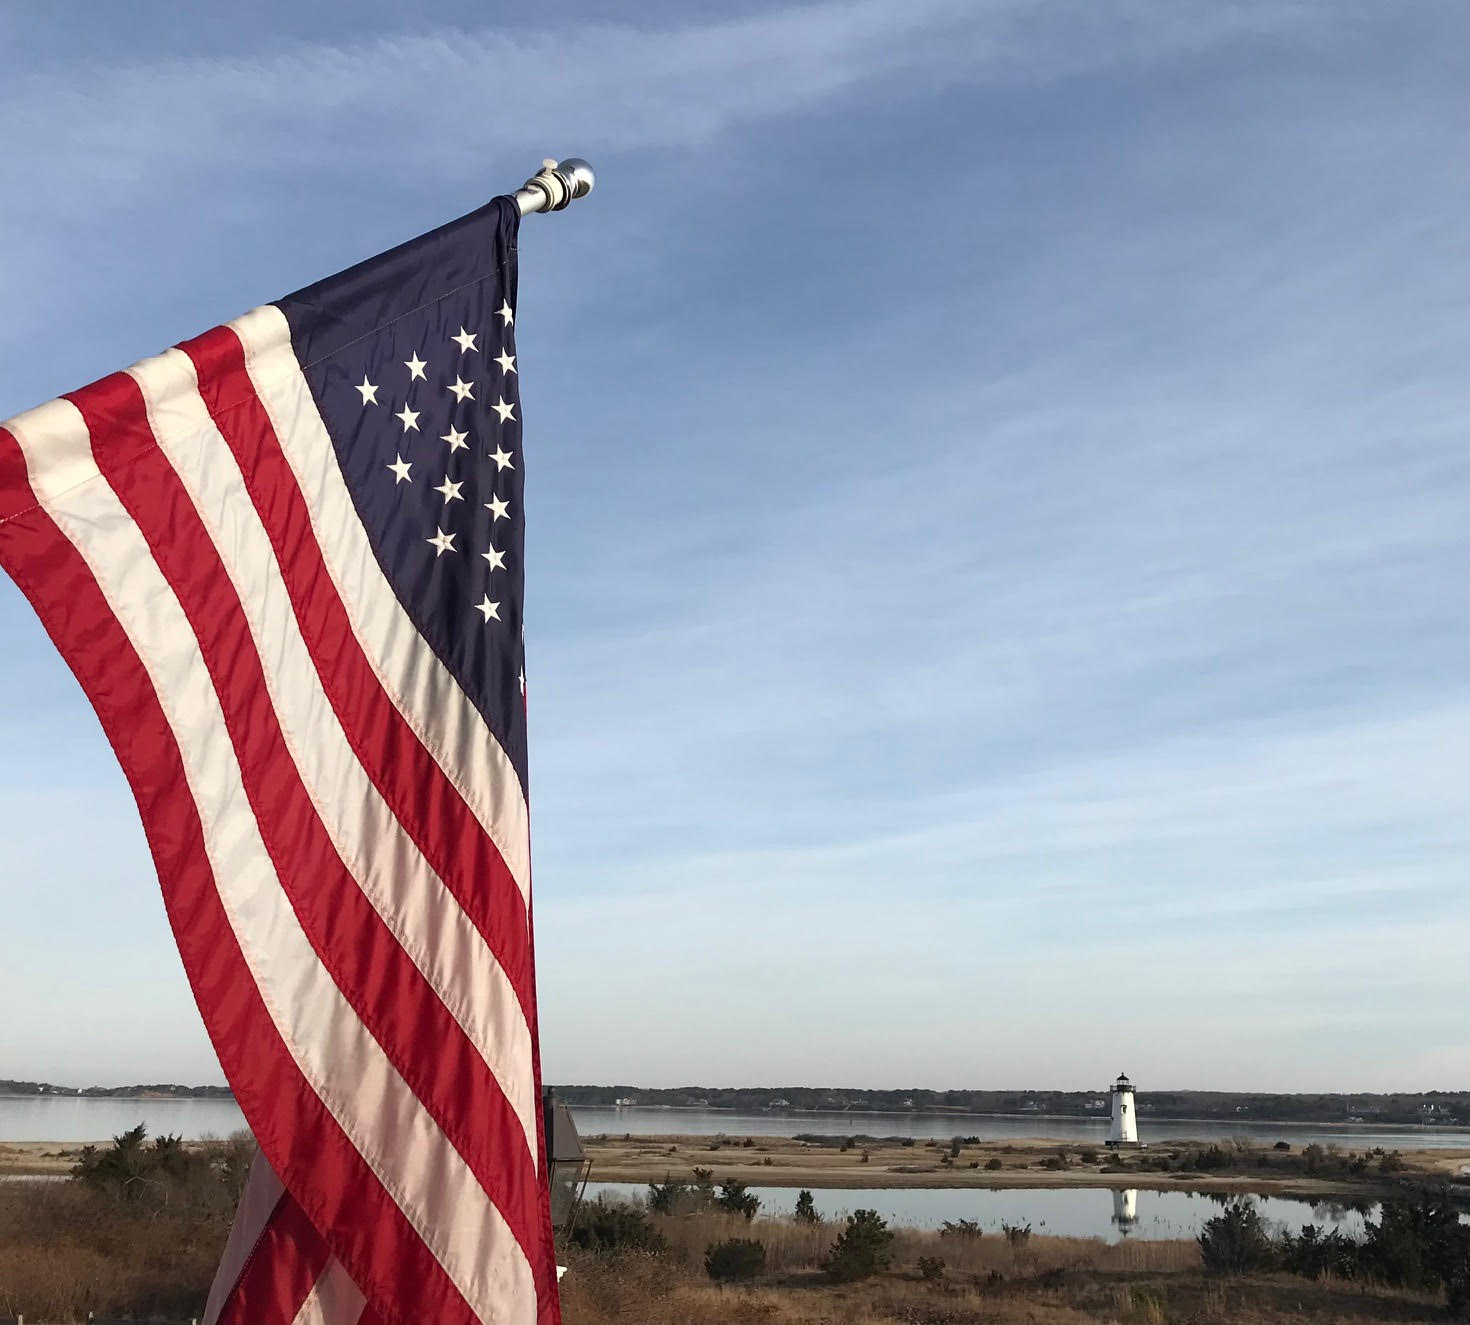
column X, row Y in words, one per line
column 1124, row 1129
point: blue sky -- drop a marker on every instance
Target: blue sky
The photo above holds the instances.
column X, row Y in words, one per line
column 997, row 514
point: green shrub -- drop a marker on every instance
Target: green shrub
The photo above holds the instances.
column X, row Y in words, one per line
column 1236, row 1241
column 1393, row 1163
column 1313, row 1252
column 993, row 1163
column 737, row 1259
column 960, row 1228
column 736, row 1198
column 806, row 1208
column 1419, row 1245
column 931, row 1268
column 613, row 1229
column 670, row 1197
column 863, row 1248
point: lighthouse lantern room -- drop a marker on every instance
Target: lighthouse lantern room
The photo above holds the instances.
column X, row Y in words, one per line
column 1124, row 1130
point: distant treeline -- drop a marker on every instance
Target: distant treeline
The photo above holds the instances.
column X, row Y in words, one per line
column 166, row 1089
column 1436, row 1107
column 1441, row 1108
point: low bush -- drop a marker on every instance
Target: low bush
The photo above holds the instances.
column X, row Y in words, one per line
column 960, row 1228
column 1018, row 1235
column 1314, row 1252
column 1236, row 1241
column 806, row 1208
column 864, row 1248
column 931, row 1268
column 611, row 1229
column 670, row 1197
column 738, row 1199
column 993, row 1163
column 735, row 1260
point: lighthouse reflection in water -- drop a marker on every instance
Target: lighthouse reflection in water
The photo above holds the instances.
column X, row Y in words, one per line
column 1125, row 1209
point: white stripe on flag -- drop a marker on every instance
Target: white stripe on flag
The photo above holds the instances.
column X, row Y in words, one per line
column 334, row 1299
column 402, row 886
column 451, row 728
column 339, row 1059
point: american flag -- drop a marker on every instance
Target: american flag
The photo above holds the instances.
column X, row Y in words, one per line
column 285, row 561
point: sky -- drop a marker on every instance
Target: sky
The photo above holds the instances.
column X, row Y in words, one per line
column 997, row 514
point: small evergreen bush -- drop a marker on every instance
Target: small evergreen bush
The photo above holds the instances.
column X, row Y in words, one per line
column 931, row 1268
column 738, row 1259
column 864, row 1248
column 1236, row 1241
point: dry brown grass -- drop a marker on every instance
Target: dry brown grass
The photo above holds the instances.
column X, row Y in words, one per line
column 1048, row 1281
column 66, row 1249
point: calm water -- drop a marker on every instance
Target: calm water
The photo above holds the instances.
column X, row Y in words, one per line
column 1077, row 1212
column 63, row 1118
column 68, row 1118
column 703, row 1122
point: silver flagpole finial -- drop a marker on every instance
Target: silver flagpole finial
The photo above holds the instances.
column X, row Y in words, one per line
column 555, row 185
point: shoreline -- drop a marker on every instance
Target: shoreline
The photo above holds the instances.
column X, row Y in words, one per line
column 1408, row 1129
column 1036, row 1163
column 1051, row 1163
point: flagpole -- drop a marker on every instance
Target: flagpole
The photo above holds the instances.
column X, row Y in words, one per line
column 555, row 185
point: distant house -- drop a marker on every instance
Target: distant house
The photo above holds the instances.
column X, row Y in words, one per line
column 1095, row 1105
column 623, row 1101
column 779, row 1104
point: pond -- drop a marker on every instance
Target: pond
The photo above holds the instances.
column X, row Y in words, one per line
column 1073, row 1212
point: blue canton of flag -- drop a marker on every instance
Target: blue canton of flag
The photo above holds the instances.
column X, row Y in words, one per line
column 425, row 416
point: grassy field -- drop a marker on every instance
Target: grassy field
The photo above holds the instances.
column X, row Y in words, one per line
column 66, row 1250
column 986, row 1281
column 146, row 1246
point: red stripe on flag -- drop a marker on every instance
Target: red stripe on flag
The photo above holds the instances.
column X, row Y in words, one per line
column 423, row 799
column 366, row 960
column 340, row 1193
column 283, row 1267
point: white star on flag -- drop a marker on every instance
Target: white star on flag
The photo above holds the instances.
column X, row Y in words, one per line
column 506, row 361
column 505, row 411
column 462, row 390
column 400, row 466
column 455, row 438
column 409, row 418
column 506, row 313
column 369, row 391
column 496, row 558
column 487, row 609
column 501, row 458
column 442, row 542
column 465, row 341
column 449, row 491
column 497, row 508
column 416, row 367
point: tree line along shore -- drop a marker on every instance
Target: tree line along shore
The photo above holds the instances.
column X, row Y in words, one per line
column 1399, row 1109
